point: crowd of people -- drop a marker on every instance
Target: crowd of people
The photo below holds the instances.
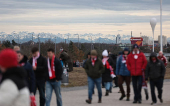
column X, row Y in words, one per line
column 128, row 66
column 21, row 77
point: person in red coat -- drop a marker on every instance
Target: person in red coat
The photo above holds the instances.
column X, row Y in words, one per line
column 136, row 64
column 162, row 58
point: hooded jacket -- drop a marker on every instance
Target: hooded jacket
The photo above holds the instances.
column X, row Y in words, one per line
column 95, row 71
column 13, row 89
column 66, row 60
column 30, row 73
column 154, row 70
column 136, row 66
column 121, row 67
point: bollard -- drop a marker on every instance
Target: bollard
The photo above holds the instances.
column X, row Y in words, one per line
column 65, row 76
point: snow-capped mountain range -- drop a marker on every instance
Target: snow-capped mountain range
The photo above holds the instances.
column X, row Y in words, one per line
column 25, row 36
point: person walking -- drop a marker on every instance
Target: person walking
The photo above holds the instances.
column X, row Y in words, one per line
column 39, row 64
column 116, row 78
column 162, row 58
column 155, row 72
column 23, row 62
column 13, row 88
column 136, row 64
column 124, row 74
column 54, row 78
column 94, row 69
column 108, row 74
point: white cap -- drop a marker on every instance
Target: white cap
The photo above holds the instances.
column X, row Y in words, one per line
column 105, row 53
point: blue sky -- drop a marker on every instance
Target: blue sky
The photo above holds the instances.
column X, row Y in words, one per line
column 83, row 16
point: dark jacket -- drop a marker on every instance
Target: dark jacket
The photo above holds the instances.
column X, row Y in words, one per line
column 30, row 74
column 66, row 60
column 136, row 66
column 17, row 75
column 121, row 68
column 155, row 70
column 42, row 70
column 58, row 70
column 96, row 70
column 106, row 76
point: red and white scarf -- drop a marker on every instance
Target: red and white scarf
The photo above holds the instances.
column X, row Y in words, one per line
column 124, row 60
column 51, row 68
column 107, row 65
column 34, row 60
column 21, row 64
column 93, row 60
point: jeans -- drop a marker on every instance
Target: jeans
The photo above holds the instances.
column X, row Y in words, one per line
column 50, row 86
column 91, row 83
column 158, row 84
column 40, row 84
column 137, row 87
column 127, row 79
column 108, row 85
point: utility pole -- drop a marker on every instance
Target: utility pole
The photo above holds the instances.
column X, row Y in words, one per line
column 68, row 41
column 55, row 45
column 161, row 49
column 18, row 39
column 39, row 43
column 78, row 40
column 91, row 42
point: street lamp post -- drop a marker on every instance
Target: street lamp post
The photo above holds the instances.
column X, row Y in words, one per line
column 39, row 42
column 55, row 45
column 161, row 24
column 153, row 24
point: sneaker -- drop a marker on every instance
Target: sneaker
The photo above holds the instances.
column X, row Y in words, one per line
column 88, row 101
column 147, row 97
column 100, row 101
column 153, row 103
column 161, row 100
column 139, row 101
column 134, row 101
column 107, row 93
column 121, row 98
column 127, row 99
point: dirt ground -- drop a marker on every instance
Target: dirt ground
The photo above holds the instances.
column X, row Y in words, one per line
column 78, row 77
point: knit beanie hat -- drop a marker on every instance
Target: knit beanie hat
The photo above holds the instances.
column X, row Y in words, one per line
column 135, row 46
column 120, row 53
column 126, row 49
column 8, row 58
column 105, row 53
column 93, row 52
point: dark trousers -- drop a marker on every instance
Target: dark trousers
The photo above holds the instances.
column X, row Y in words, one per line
column 40, row 84
column 158, row 84
column 127, row 80
column 137, row 87
column 116, row 81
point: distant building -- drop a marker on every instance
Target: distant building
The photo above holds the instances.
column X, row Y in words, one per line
column 164, row 40
column 118, row 39
column 145, row 40
column 136, row 40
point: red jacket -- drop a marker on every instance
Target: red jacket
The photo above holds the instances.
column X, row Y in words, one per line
column 136, row 66
column 163, row 58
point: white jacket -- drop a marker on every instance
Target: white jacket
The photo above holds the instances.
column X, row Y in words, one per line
column 11, row 96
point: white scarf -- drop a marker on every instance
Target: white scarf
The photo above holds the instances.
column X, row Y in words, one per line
column 34, row 60
column 104, row 60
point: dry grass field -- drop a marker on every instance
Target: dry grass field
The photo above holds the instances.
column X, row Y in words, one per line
column 78, row 77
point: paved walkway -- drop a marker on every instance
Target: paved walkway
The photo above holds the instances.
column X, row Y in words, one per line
column 76, row 97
